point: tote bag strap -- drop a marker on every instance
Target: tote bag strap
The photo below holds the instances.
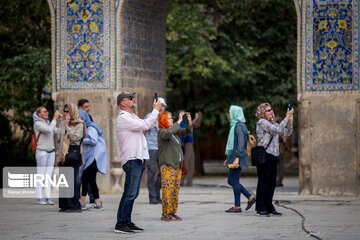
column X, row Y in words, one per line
column 269, row 142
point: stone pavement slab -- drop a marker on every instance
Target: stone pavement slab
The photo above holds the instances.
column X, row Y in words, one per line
column 202, row 209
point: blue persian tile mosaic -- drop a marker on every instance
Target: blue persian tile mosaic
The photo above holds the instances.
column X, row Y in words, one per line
column 85, row 44
column 332, row 53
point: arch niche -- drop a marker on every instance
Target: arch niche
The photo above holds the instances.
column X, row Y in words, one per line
column 102, row 47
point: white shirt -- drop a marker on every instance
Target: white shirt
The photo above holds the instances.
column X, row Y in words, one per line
column 129, row 130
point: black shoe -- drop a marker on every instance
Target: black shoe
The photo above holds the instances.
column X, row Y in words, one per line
column 123, row 228
column 263, row 214
column 135, row 228
column 250, row 203
column 62, row 210
column 154, row 202
column 73, row 210
column 279, row 185
column 275, row 213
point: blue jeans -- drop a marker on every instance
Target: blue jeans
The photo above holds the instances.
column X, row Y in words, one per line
column 79, row 183
column 134, row 170
column 234, row 181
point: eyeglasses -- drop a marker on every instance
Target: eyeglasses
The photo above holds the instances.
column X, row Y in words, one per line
column 269, row 110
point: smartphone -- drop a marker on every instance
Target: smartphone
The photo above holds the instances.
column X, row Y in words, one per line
column 289, row 107
column 156, row 96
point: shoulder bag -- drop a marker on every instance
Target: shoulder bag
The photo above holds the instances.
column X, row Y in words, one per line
column 258, row 154
column 34, row 141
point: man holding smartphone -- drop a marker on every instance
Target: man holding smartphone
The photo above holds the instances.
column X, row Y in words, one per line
column 133, row 153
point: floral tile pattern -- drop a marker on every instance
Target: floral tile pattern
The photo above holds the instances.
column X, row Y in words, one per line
column 85, row 44
column 332, row 54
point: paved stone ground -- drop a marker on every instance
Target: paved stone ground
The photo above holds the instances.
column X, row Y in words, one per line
column 202, row 208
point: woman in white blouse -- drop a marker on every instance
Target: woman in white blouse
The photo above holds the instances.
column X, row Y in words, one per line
column 268, row 131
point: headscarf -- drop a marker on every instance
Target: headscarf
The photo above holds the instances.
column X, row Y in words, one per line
column 37, row 118
column 74, row 115
column 86, row 118
column 74, row 120
column 163, row 120
column 236, row 116
column 261, row 110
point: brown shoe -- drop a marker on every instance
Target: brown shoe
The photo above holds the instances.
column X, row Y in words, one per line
column 177, row 218
column 250, row 203
column 167, row 217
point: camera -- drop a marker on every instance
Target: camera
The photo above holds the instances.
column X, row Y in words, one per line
column 289, row 107
column 185, row 119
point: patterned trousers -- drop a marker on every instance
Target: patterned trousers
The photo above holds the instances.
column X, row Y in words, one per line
column 170, row 185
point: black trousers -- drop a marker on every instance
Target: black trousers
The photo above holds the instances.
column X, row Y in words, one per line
column 72, row 203
column 89, row 178
column 266, row 184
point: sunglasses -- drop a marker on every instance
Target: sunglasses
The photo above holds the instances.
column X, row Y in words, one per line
column 66, row 111
column 269, row 110
column 130, row 98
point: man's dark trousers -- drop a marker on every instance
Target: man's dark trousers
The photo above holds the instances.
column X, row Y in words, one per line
column 154, row 178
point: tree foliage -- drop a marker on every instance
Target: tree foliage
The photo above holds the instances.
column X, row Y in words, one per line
column 230, row 52
column 25, row 71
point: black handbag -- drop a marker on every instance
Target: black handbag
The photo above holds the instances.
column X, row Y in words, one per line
column 258, row 154
column 73, row 155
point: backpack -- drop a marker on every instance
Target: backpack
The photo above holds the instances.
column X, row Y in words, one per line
column 251, row 142
column 34, row 141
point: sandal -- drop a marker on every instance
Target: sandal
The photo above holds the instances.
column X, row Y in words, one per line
column 177, row 218
column 167, row 218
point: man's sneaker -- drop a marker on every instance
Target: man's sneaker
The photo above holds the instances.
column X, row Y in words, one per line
column 135, row 228
column 123, row 228
column 49, row 202
column 83, row 206
column 96, row 207
column 153, row 201
column 263, row 214
column 41, row 202
column 275, row 213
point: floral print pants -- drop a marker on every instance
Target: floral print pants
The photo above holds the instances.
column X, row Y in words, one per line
column 170, row 185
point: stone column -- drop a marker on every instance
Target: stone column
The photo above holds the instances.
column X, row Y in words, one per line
column 328, row 93
column 103, row 47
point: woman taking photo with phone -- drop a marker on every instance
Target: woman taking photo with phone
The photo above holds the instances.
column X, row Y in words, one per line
column 268, row 132
column 45, row 149
column 171, row 159
column 73, row 131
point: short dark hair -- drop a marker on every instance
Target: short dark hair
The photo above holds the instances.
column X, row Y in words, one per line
column 81, row 102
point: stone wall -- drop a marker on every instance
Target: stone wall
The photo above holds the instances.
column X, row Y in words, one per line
column 100, row 48
column 328, row 93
